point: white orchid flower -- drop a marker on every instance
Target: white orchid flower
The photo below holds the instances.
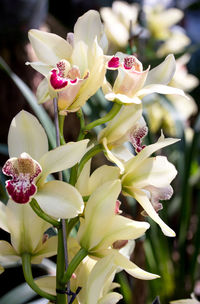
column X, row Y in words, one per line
column 74, row 69
column 30, row 163
column 148, row 179
column 117, row 22
column 101, row 208
column 192, row 300
column 132, row 83
column 27, row 234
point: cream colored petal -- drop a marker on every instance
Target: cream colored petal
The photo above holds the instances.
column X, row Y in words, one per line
column 48, row 249
column 111, row 298
column 102, row 175
column 80, row 57
column 48, row 47
column 143, row 200
column 101, row 272
column 88, row 27
column 161, row 89
column 133, row 269
column 26, row 135
column 7, row 253
column 42, row 92
column 122, row 98
column 185, row 301
column 60, row 200
column 171, row 16
column 129, row 82
column 163, row 73
column 3, row 217
column 112, row 157
column 122, row 153
column 1, row 269
column 47, row 283
column 82, row 183
column 122, row 228
column 41, row 67
column 117, row 129
column 62, row 158
column 26, row 228
column 100, row 208
column 156, row 171
column 147, row 151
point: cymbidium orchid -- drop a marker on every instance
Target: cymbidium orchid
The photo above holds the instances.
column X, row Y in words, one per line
column 31, row 163
column 117, row 23
column 148, row 179
column 27, row 234
column 74, row 69
column 132, row 83
column 192, row 300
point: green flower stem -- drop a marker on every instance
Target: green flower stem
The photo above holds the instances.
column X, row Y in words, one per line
column 71, row 224
column 110, row 115
column 82, row 125
column 61, row 120
column 26, row 265
column 81, row 254
column 92, row 152
column 61, row 297
column 36, row 208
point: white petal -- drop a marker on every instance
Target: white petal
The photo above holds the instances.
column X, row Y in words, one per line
column 161, row 89
column 110, row 298
column 83, row 180
column 25, row 226
column 27, row 135
column 7, row 253
column 42, row 92
column 41, row 67
column 112, row 157
column 133, row 269
column 143, row 200
column 48, row 249
column 3, row 217
column 47, row 283
column 62, row 158
column 48, row 47
column 163, row 73
column 60, row 200
column 88, row 27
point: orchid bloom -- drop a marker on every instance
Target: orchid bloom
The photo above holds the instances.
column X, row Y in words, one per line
column 74, row 69
column 117, row 22
column 97, row 239
column 27, row 234
column 31, row 163
column 193, row 300
column 160, row 20
column 148, row 179
column 132, row 83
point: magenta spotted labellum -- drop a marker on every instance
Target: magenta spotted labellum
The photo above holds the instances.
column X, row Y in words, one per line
column 23, row 170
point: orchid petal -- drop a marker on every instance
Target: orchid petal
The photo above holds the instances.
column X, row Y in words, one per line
column 110, row 298
column 143, row 200
column 118, row 128
column 3, row 217
column 27, row 135
column 48, row 47
column 62, row 158
column 40, row 67
column 121, row 98
column 161, row 89
column 163, row 73
column 133, row 269
column 122, row 153
column 25, row 226
column 47, row 283
column 88, row 27
column 102, row 175
column 156, row 171
column 112, row 157
column 48, row 249
column 60, row 200
column 99, row 209
column 1, row 269
column 82, row 183
column 147, row 151
column 122, row 228
column 7, row 253
column 42, row 92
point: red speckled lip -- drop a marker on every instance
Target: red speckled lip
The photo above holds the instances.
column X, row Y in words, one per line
column 114, row 63
column 137, row 136
column 57, row 81
column 23, row 170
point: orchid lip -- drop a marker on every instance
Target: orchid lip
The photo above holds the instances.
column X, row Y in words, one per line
column 114, row 63
column 23, row 170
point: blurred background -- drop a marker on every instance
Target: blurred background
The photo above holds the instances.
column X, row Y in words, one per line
column 150, row 30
